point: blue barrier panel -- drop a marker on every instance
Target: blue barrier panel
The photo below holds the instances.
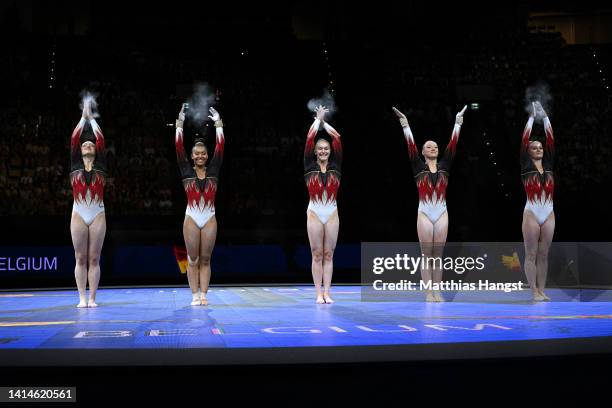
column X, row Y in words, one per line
column 34, row 261
column 146, row 261
column 346, row 256
column 159, row 261
column 249, row 259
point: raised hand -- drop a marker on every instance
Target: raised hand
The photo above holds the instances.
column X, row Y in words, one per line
column 320, row 112
column 181, row 117
column 539, row 110
column 459, row 116
column 401, row 116
column 214, row 115
column 398, row 113
column 87, row 109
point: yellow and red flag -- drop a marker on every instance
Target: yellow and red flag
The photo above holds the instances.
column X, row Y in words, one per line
column 180, row 254
column 512, row 262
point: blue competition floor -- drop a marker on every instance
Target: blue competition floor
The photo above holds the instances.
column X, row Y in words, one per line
column 280, row 317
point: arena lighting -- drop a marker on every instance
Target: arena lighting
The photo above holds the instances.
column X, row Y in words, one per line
column 475, row 106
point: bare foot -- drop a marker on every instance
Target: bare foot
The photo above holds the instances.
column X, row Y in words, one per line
column 438, row 296
column 538, row 298
column 544, row 295
column 328, row 298
column 430, row 297
column 82, row 303
column 320, row 300
column 92, row 303
column 203, row 301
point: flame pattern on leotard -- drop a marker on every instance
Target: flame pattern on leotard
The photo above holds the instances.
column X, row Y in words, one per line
column 322, row 187
column 87, row 192
column 200, row 193
column 539, row 187
column 432, row 186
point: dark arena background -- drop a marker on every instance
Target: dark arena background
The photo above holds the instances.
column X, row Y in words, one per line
column 263, row 338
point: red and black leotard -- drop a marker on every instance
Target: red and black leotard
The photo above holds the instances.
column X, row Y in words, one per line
column 200, row 192
column 322, row 186
column 432, row 186
column 87, row 186
column 539, row 187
